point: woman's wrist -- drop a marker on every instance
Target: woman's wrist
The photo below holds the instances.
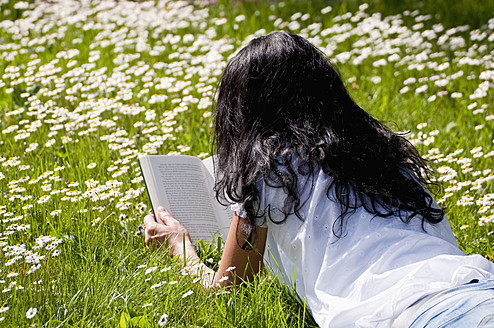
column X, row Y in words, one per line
column 189, row 259
column 184, row 250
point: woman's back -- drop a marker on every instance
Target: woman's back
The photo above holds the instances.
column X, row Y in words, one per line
column 373, row 270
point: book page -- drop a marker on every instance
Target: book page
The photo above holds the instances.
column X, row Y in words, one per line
column 180, row 186
column 224, row 213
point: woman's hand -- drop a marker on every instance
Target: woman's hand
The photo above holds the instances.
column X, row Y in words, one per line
column 172, row 234
column 169, row 231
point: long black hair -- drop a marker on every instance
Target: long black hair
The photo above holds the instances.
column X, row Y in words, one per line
column 280, row 97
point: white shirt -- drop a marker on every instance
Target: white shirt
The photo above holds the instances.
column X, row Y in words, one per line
column 375, row 271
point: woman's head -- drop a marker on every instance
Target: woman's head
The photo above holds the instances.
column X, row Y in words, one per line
column 281, row 97
column 278, row 84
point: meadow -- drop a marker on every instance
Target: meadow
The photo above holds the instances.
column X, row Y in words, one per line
column 88, row 86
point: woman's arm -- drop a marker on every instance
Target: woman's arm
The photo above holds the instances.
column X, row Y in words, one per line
column 235, row 260
column 244, row 264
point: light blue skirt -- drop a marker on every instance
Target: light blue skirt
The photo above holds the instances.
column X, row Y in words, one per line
column 466, row 306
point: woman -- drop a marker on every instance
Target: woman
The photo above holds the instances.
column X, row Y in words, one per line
column 329, row 199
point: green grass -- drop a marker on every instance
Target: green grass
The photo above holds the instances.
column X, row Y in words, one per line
column 92, row 268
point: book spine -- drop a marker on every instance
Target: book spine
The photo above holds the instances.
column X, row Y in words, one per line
column 147, row 189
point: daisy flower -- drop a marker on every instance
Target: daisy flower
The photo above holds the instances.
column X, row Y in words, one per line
column 188, row 293
column 163, row 320
column 31, row 313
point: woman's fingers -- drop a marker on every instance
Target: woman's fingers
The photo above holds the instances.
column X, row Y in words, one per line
column 165, row 216
column 158, row 231
column 166, row 230
column 149, row 220
column 150, row 228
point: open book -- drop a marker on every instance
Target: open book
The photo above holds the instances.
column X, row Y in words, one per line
column 183, row 185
